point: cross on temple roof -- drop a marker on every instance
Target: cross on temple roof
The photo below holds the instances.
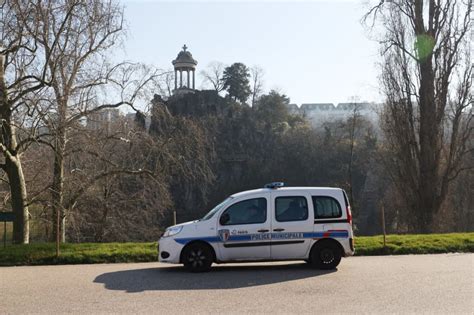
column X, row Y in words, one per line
column 185, row 47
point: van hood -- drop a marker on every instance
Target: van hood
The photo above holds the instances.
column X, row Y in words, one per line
column 184, row 224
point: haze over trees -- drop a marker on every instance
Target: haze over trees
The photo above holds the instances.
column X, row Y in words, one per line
column 77, row 168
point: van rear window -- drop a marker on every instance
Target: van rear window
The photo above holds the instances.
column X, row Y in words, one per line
column 291, row 208
column 326, row 207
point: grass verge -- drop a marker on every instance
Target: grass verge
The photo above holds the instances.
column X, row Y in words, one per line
column 91, row 253
column 82, row 253
column 415, row 244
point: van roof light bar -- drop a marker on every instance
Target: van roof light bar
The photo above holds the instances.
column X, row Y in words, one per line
column 274, row 185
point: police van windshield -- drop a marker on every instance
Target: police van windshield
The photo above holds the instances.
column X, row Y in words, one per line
column 211, row 213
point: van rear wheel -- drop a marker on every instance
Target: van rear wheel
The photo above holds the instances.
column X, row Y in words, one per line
column 197, row 258
column 326, row 256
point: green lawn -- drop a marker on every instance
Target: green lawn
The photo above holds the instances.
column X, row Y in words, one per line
column 89, row 253
column 83, row 253
column 415, row 244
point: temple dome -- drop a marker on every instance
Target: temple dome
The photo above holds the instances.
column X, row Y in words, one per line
column 184, row 59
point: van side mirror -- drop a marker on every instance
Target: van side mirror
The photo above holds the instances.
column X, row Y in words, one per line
column 224, row 218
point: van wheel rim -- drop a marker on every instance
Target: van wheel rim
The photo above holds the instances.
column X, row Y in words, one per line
column 196, row 258
column 327, row 256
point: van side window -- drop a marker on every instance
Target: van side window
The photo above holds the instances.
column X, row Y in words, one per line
column 326, row 207
column 248, row 211
column 291, row 209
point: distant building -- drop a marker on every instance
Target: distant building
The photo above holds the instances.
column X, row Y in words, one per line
column 102, row 118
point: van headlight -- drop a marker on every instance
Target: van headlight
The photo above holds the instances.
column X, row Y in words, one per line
column 172, row 231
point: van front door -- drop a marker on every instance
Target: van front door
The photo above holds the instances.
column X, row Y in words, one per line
column 244, row 230
column 292, row 225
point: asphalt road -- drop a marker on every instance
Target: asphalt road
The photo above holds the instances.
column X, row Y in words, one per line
column 390, row 284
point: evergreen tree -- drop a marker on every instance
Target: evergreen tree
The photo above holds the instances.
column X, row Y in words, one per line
column 236, row 81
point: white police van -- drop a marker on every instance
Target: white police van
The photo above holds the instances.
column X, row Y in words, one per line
column 274, row 223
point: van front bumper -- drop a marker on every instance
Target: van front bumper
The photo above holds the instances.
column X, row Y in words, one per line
column 169, row 250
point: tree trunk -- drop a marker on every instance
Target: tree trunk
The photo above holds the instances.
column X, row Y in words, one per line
column 351, row 161
column 57, row 188
column 429, row 145
column 430, row 132
column 99, row 237
column 21, row 229
column 103, row 222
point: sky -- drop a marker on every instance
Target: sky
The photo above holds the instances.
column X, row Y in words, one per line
column 312, row 51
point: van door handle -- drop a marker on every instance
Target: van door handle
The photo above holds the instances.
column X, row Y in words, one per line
column 278, row 230
column 262, row 231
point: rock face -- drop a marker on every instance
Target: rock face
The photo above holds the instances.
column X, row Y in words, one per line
column 197, row 104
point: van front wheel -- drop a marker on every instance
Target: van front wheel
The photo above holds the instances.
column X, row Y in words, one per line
column 197, row 258
column 326, row 256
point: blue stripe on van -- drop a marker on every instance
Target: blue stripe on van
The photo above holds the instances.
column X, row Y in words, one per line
column 248, row 237
column 326, row 234
column 209, row 239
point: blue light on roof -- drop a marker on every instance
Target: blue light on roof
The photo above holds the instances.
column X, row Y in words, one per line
column 274, row 185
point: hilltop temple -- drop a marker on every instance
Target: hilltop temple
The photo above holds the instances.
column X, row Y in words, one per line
column 184, row 63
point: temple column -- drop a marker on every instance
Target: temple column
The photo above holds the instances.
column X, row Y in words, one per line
column 175, row 79
column 194, row 79
column 180, row 78
column 188, row 86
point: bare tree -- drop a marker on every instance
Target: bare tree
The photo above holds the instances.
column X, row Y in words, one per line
column 354, row 121
column 166, row 84
column 213, row 75
column 427, row 82
column 12, row 165
column 256, row 74
column 23, row 75
column 75, row 38
column 109, row 171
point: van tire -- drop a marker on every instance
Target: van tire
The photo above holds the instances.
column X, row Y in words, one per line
column 197, row 257
column 325, row 255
